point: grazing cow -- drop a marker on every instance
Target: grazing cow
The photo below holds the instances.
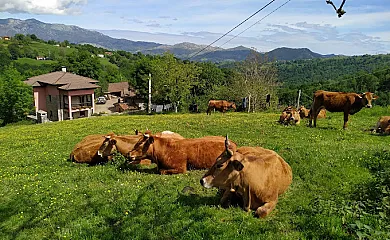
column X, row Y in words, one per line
column 93, row 149
column 220, row 105
column 289, row 116
column 383, row 125
column 176, row 156
column 256, row 174
column 349, row 103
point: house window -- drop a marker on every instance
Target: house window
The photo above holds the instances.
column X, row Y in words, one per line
column 49, row 98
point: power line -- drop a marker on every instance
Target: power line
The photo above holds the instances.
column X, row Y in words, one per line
column 251, row 26
column 232, row 29
column 256, row 22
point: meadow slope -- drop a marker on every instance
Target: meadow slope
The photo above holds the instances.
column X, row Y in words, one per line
column 335, row 176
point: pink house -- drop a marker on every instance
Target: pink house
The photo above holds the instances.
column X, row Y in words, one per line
column 63, row 95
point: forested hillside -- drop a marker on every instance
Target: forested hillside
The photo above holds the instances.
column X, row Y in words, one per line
column 183, row 82
column 349, row 74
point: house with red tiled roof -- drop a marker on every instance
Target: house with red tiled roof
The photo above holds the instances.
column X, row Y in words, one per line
column 63, row 95
column 120, row 89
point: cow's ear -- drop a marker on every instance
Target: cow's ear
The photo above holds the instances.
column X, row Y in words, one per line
column 113, row 141
column 237, row 165
column 375, row 97
column 136, row 131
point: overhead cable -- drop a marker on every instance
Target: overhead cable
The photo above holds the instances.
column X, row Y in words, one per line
column 231, row 29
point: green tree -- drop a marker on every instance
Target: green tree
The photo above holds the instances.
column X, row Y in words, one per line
column 257, row 80
column 15, row 51
column 5, row 57
column 16, row 97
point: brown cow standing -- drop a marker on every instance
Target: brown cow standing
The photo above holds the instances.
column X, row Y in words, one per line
column 349, row 103
column 383, row 125
column 257, row 174
column 220, row 105
column 175, row 156
column 93, row 149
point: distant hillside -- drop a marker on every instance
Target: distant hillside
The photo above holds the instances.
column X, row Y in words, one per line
column 74, row 34
column 288, row 54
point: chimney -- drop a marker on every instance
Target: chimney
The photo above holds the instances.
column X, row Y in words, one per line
column 63, row 69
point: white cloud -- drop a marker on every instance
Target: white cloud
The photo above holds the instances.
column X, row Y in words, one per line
column 56, row 7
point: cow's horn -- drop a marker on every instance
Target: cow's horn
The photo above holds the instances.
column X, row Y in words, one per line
column 228, row 151
column 146, row 135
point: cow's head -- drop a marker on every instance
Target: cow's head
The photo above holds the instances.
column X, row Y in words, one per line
column 141, row 147
column 367, row 98
column 107, row 147
column 303, row 112
column 225, row 170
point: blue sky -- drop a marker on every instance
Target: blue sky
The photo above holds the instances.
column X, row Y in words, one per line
column 364, row 29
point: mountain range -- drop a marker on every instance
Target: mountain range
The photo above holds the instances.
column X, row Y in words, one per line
column 185, row 50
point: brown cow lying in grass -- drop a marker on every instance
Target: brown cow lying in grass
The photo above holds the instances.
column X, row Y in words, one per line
column 383, row 125
column 256, row 174
column 93, row 149
column 289, row 116
column 305, row 113
column 349, row 103
column 125, row 143
column 174, row 156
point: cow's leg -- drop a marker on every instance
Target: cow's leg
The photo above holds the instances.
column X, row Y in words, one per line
column 346, row 115
column 172, row 171
column 169, row 168
column 311, row 117
column 209, row 110
column 265, row 209
column 225, row 200
column 246, row 198
column 316, row 115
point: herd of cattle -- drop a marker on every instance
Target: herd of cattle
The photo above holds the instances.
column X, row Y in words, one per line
column 254, row 175
column 348, row 103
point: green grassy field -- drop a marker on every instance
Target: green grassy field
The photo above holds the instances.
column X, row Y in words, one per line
column 339, row 190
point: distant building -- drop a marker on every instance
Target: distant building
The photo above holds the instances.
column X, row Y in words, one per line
column 100, row 55
column 40, row 58
column 128, row 93
column 63, row 95
column 6, row 38
column 121, row 107
column 108, row 53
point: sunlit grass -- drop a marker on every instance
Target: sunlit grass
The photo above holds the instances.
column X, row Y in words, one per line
column 44, row 196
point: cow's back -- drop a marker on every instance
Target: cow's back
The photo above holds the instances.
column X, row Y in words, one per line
column 86, row 150
column 265, row 169
column 334, row 101
column 198, row 153
column 203, row 152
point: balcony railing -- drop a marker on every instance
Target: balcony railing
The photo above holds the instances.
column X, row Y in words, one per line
column 76, row 106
